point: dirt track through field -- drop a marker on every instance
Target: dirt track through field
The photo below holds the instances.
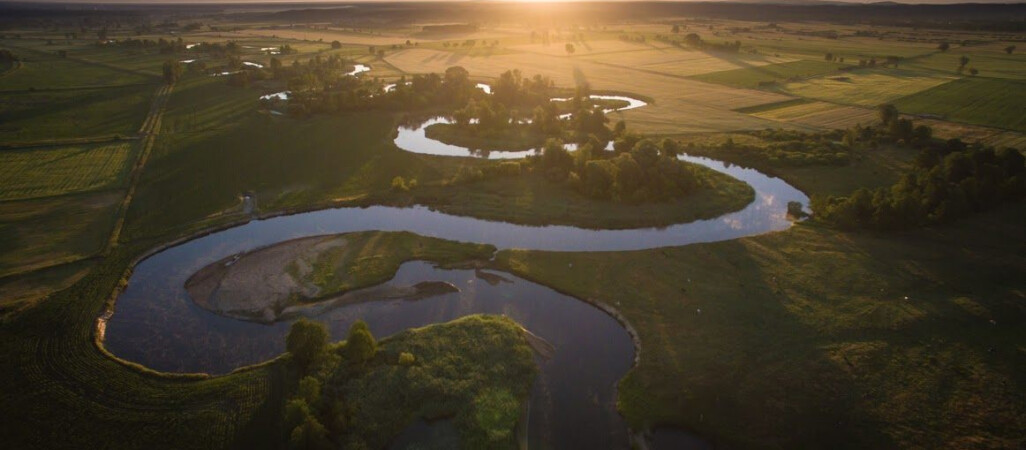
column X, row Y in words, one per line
column 149, row 130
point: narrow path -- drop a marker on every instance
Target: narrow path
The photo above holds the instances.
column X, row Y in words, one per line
column 66, row 141
column 148, row 133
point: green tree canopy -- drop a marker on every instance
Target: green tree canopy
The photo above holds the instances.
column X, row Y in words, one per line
column 306, row 342
column 360, row 344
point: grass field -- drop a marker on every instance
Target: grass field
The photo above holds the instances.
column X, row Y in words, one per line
column 41, row 232
column 688, row 63
column 850, row 47
column 45, row 70
column 23, row 291
column 817, row 114
column 741, row 338
column 751, row 77
column 214, row 133
column 990, row 61
column 55, row 171
column 47, row 115
column 980, row 101
column 866, row 87
column 530, row 199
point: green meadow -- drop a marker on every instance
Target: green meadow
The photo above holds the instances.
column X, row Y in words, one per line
column 981, row 101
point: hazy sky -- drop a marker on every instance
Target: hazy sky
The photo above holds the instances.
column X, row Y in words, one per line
column 933, row 2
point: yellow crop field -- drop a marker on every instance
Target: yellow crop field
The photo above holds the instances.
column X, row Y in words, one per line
column 54, row 171
column 587, row 47
column 699, row 62
column 820, row 115
column 867, row 88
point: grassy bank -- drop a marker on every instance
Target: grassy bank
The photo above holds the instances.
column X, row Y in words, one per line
column 866, row 340
column 373, row 257
column 52, row 370
column 513, row 138
column 530, row 199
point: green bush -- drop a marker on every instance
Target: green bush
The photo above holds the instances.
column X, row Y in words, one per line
column 407, row 359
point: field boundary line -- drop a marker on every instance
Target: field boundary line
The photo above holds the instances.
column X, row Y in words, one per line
column 89, row 62
column 73, row 88
column 68, row 141
column 148, row 132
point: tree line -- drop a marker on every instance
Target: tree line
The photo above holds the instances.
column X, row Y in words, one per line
column 944, row 184
column 948, row 180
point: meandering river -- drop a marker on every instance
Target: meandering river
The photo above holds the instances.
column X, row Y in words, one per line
column 573, row 400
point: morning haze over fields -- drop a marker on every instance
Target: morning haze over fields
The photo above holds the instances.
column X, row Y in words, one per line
column 482, row 225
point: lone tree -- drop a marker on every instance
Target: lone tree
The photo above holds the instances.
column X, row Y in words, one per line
column 944, row 46
column 360, row 344
column 973, row 71
column 676, row 28
column 172, row 71
column 888, row 113
column 570, row 48
column 1010, row 49
column 335, row 45
column 307, row 341
column 962, row 62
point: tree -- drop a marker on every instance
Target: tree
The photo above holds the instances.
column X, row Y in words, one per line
column 307, row 342
column 944, row 46
column 670, row 148
column 676, row 28
column 570, row 48
column 309, row 435
column 276, row 67
column 963, row 61
column 887, row 112
column 309, row 390
column 557, row 161
column 296, row 412
column 922, row 135
column 172, row 71
column 456, row 79
column 1010, row 49
column 973, row 71
column 335, row 45
column 360, row 344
